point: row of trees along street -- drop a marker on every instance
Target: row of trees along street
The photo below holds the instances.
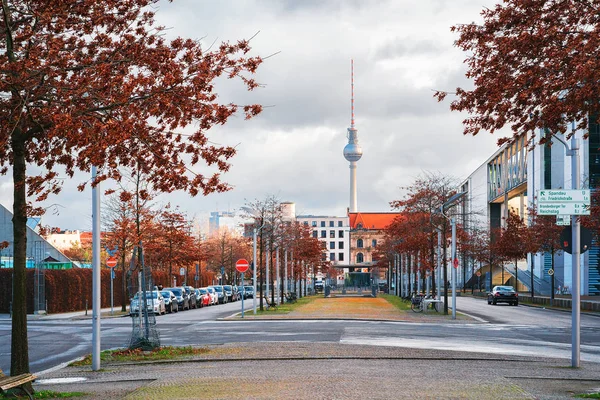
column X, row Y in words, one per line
column 99, row 84
column 414, row 235
column 281, row 238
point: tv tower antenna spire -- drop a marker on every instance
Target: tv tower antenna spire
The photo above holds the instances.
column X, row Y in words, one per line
column 352, row 151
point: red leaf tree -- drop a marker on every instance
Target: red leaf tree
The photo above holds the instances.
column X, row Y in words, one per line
column 534, row 64
column 97, row 83
column 514, row 242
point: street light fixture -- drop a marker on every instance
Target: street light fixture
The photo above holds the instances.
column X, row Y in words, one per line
column 446, row 206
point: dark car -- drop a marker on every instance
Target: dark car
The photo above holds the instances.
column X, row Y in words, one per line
column 229, row 293
column 220, row 293
column 249, row 290
column 170, row 301
column 192, row 296
column 503, row 294
column 183, row 300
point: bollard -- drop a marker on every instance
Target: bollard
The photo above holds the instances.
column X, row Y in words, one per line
column 86, row 307
column 10, row 309
column 47, row 307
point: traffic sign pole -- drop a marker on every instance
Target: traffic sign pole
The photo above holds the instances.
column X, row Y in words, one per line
column 575, row 298
column 243, row 294
column 112, row 276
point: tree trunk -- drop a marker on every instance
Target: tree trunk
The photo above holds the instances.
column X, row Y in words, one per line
column 532, row 266
column 19, row 353
column 260, row 270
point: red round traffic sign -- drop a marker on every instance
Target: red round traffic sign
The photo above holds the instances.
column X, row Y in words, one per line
column 111, row 262
column 242, row 265
column 455, row 263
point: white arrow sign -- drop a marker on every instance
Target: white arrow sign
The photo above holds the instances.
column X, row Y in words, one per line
column 564, row 196
column 563, row 209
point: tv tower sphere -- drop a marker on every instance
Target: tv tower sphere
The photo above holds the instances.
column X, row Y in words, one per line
column 352, row 151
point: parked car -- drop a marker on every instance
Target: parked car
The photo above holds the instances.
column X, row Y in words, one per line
column 214, row 298
column 220, row 293
column 503, row 294
column 241, row 292
column 198, row 298
column 249, row 290
column 183, row 300
column 170, row 301
column 192, row 296
column 154, row 302
column 229, row 293
column 205, row 297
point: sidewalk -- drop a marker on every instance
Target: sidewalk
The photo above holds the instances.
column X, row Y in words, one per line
column 105, row 313
column 329, row 371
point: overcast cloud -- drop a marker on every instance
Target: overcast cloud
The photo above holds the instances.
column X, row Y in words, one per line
column 402, row 51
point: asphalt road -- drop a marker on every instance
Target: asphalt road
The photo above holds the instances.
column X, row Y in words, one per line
column 504, row 329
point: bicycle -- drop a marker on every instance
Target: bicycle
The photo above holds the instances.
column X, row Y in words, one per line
column 418, row 305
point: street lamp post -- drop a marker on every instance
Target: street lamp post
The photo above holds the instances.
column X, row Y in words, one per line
column 449, row 203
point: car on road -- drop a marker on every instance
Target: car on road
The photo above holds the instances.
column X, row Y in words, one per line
column 503, row 294
column 183, row 300
column 205, row 297
column 213, row 295
column 154, row 302
column 241, row 292
column 249, row 290
column 220, row 293
column 170, row 301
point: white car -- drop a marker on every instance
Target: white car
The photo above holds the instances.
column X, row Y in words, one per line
column 154, row 302
column 214, row 297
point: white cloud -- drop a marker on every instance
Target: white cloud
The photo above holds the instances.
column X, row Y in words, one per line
column 402, row 50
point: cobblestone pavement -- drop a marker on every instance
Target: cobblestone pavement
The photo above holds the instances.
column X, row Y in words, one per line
column 332, row 371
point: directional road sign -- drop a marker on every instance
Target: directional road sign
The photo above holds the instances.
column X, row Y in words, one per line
column 564, row 196
column 563, row 209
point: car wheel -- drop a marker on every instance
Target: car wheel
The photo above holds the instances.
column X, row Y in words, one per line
column 494, row 302
column 489, row 301
column 516, row 303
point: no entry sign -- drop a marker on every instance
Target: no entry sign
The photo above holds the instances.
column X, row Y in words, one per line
column 111, row 262
column 242, row 265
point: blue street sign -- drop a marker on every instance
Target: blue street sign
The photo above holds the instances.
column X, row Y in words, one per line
column 222, row 270
column 112, row 252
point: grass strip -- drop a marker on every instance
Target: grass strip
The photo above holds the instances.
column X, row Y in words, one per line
column 161, row 353
column 589, row 395
column 285, row 308
column 396, row 301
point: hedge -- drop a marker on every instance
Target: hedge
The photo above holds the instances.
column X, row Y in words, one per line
column 68, row 290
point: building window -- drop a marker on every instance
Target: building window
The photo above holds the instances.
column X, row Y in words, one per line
column 314, row 223
column 332, row 245
column 331, row 256
column 331, row 224
column 332, row 234
column 341, row 234
column 340, row 245
column 340, row 256
column 374, row 242
column 315, row 234
column 322, row 224
column 340, row 224
column 305, row 223
column 359, row 244
column 360, row 258
column 323, row 234
column 359, row 226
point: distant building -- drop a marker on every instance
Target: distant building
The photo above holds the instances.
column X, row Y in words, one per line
column 335, row 233
column 367, row 232
column 225, row 220
column 65, row 239
column 39, row 250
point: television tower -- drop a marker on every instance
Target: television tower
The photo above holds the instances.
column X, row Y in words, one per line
column 352, row 151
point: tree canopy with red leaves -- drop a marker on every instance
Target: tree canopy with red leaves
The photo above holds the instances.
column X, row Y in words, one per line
column 534, row 64
column 96, row 83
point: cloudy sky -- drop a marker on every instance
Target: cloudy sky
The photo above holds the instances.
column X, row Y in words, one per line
column 402, row 51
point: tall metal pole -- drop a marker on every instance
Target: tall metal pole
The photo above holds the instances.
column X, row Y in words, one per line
column 453, row 222
column 255, row 264
column 439, row 265
column 576, row 277
column 267, row 259
column 285, row 273
column 96, row 285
